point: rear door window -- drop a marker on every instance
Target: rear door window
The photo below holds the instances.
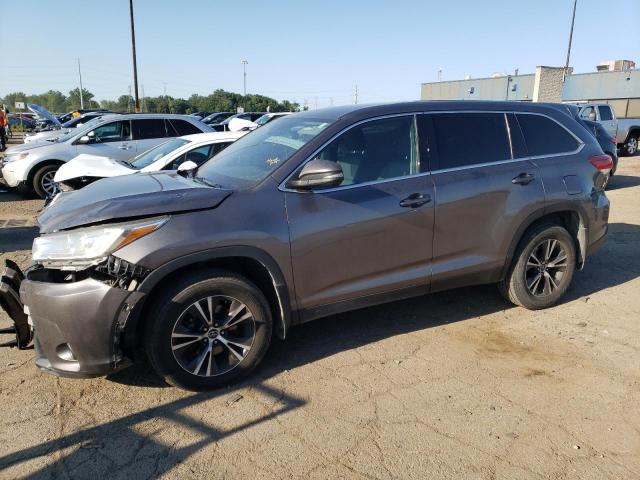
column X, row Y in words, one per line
column 179, row 128
column 469, row 138
column 144, row 129
column 605, row 113
column 544, row 136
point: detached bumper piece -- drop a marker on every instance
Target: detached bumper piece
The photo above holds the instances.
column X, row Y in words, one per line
column 10, row 302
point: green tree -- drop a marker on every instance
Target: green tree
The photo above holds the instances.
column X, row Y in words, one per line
column 73, row 100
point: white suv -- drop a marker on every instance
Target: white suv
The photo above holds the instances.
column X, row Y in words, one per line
column 32, row 167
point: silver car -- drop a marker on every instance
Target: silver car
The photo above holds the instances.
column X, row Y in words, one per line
column 31, row 167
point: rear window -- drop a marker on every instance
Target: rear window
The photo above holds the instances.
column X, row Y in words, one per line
column 464, row 139
column 544, row 136
column 605, row 113
column 181, row 127
column 148, row 128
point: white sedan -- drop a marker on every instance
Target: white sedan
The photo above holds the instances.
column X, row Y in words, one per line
column 170, row 155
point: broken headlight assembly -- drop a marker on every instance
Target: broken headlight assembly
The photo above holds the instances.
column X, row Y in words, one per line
column 76, row 250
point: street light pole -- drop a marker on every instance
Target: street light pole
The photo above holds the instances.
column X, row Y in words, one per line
column 573, row 19
column 135, row 65
column 244, row 75
column 81, row 96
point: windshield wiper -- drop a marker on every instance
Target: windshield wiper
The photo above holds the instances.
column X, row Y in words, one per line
column 207, row 182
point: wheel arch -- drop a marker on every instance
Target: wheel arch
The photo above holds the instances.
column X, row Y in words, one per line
column 250, row 262
column 565, row 214
column 37, row 166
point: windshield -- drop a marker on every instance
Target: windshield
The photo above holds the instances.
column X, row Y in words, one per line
column 147, row 158
column 216, row 117
column 81, row 130
column 253, row 157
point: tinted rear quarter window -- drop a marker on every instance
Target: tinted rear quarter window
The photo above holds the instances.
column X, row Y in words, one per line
column 181, row 127
column 464, row 139
column 148, row 128
column 544, row 136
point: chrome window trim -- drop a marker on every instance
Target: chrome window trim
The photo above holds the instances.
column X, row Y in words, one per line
column 283, row 188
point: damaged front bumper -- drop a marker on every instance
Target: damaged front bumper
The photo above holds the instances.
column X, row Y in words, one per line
column 10, row 301
column 78, row 323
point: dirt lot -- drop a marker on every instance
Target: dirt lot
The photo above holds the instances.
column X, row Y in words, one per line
column 455, row 385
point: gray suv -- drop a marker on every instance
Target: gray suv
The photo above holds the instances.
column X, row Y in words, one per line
column 318, row 213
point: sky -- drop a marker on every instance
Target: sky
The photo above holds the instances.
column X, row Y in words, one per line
column 313, row 52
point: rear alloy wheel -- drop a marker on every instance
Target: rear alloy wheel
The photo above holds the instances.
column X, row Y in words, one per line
column 631, row 146
column 208, row 330
column 43, row 183
column 542, row 268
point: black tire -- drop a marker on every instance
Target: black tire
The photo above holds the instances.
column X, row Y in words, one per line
column 43, row 174
column 630, row 147
column 515, row 285
column 173, row 305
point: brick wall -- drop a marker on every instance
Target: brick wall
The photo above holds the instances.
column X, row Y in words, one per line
column 547, row 86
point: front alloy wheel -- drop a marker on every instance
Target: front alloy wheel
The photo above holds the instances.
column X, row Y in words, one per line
column 213, row 336
column 207, row 329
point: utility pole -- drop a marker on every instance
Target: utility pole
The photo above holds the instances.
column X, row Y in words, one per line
column 440, row 74
column 573, row 19
column 355, row 96
column 81, row 96
column 135, row 64
column 244, row 75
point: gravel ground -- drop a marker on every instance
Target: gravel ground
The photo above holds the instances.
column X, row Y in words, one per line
column 459, row 384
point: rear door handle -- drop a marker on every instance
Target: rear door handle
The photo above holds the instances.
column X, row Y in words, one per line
column 523, row 179
column 415, row 200
column 124, row 147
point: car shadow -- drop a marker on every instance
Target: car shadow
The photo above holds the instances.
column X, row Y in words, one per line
column 94, row 448
column 13, row 239
column 622, row 181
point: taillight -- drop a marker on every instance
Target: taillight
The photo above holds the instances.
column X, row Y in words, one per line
column 604, row 163
column 614, row 140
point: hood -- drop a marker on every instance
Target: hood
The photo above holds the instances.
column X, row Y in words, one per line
column 141, row 195
column 26, row 146
column 44, row 113
column 95, row 166
column 48, row 135
column 238, row 124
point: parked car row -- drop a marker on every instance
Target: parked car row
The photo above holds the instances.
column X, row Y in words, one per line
column 314, row 214
column 31, row 167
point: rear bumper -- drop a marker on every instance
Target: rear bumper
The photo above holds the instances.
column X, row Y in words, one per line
column 77, row 325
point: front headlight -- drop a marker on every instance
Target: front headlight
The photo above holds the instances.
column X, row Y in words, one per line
column 15, row 156
column 79, row 249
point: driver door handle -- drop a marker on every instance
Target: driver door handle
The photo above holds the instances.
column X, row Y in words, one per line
column 415, row 200
column 124, row 146
column 523, row 179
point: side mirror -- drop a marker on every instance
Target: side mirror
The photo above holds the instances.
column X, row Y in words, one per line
column 592, row 116
column 186, row 167
column 83, row 140
column 318, row 173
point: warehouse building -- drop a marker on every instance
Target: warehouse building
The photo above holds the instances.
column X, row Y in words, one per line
column 616, row 83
